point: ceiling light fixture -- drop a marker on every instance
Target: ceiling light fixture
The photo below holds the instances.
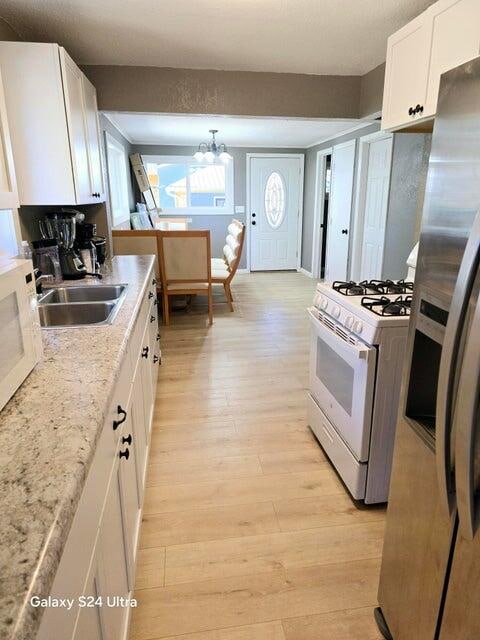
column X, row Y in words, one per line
column 210, row 151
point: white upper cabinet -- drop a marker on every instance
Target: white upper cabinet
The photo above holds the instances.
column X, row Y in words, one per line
column 406, row 72
column 8, row 184
column 442, row 37
column 56, row 148
column 93, row 138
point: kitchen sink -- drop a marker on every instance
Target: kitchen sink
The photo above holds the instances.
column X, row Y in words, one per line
column 94, row 293
column 77, row 314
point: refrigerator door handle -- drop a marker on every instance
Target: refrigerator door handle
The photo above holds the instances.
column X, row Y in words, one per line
column 448, row 362
column 465, row 423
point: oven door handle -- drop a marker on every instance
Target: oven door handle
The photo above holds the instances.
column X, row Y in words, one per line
column 362, row 352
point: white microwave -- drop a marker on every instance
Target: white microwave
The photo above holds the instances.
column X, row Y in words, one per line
column 20, row 331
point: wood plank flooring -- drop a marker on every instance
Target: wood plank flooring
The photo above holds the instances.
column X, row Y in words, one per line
column 247, row 532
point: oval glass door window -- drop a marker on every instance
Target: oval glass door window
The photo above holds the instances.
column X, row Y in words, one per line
column 275, row 199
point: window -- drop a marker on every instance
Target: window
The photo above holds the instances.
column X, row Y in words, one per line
column 180, row 184
column 117, row 163
column 275, row 200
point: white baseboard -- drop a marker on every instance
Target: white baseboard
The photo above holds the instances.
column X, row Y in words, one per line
column 309, row 274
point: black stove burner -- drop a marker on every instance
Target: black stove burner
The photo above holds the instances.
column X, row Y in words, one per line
column 372, row 287
column 385, row 307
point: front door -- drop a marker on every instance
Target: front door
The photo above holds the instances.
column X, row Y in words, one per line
column 343, row 167
column 275, row 208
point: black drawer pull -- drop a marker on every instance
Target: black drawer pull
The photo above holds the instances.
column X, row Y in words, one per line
column 150, row 295
column 152, row 318
column 158, row 337
column 154, row 281
column 145, row 351
column 127, row 439
column 121, row 412
column 124, row 454
column 155, row 359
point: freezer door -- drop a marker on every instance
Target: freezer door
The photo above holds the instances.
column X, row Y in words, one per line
column 417, row 541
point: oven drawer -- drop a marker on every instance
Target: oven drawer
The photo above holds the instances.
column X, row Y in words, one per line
column 352, row 472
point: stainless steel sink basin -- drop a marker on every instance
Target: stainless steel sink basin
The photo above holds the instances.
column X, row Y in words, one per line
column 94, row 293
column 78, row 314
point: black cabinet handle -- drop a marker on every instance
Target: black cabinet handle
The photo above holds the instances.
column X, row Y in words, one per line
column 345, row 231
column 158, row 337
column 124, row 454
column 253, row 215
column 150, row 295
column 121, row 412
column 253, row 222
column 145, row 351
column 127, row 439
column 155, row 359
column 152, row 318
column 154, row 281
column 411, row 111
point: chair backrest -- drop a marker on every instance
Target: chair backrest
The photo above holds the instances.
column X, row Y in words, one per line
column 232, row 250
column 137, row 243
column 185, row 256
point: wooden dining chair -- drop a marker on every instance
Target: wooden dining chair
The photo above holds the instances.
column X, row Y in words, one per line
column 185, row 267
column 224, row 269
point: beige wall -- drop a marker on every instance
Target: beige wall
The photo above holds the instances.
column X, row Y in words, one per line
column 163, row 90
column 371, row 91
column 6, row 32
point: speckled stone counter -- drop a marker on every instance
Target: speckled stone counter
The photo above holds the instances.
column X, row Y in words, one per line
column 48, row 435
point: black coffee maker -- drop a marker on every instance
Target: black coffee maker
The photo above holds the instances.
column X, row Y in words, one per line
column 61, row 227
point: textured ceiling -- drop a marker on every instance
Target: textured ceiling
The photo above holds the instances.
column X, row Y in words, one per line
column 301, row 36
column 233, row 131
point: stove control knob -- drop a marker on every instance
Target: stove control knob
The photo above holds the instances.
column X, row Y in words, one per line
column 358, row 327
column 349, row 320
column 317, row 298
column 324, row 303
column 336, row 311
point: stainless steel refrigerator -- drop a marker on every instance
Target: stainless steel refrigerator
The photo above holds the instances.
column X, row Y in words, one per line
column 430, row 575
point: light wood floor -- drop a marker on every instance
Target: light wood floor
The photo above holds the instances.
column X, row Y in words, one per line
column 247, row 532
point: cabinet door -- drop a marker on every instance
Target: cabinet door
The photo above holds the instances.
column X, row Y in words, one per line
column 89, row 623
column 129, row 494
column 8, row 184
column 113, row 558
column 154, row 342
column 93, row 138
column 146, row 360
column 456, row 39
column 75, row 109
column 406, row 74
column 140, row 433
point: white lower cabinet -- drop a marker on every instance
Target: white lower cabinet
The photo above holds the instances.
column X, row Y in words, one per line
column 98, row 561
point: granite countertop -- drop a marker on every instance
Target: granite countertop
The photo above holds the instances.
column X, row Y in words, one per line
column 48, row 436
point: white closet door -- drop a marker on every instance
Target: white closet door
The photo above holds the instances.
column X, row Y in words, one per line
column 376, row 207
column 338, row 225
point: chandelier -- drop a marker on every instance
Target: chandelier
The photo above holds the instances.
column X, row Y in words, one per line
column 211, row 151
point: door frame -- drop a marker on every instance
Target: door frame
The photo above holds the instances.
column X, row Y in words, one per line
column 248, row 217
column 360, row 187
column 318, row 208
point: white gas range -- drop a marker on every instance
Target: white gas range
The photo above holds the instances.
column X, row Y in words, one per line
column 358, row 340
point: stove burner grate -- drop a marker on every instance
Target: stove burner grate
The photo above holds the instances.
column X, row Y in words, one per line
column 372, row 287
column 385, row 307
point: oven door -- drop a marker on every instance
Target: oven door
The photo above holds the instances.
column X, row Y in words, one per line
column 17, row 353
column 342, row 379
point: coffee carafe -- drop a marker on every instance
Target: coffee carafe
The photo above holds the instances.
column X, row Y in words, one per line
column 61, row 227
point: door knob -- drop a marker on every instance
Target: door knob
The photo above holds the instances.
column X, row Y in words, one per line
column 345, row 231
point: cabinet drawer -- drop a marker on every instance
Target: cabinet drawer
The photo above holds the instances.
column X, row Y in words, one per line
column 353, row 473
